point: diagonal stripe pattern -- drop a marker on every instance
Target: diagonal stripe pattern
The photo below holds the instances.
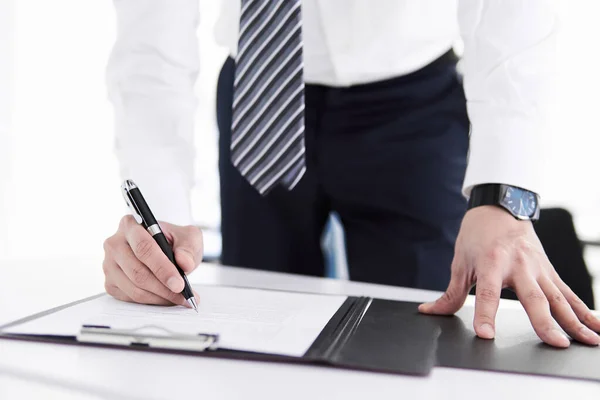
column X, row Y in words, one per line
column 267, row 144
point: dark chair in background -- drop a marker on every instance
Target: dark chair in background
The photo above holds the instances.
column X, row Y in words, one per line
column 565, row 251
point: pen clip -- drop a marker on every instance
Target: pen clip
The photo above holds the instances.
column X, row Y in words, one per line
column 128, row 185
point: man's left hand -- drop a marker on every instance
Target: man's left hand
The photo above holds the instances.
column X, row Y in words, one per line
column 495, row 251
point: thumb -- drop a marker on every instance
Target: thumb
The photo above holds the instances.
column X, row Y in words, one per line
column 187, row 246
column 453, row 298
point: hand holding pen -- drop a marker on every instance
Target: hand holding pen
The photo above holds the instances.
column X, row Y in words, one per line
column 140, row 266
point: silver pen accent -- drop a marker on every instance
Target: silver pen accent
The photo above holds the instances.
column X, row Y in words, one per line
column 154, row 229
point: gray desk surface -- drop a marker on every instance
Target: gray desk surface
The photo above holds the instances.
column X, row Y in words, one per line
column 58, row 371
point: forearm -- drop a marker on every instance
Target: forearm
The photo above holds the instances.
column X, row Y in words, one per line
column 150, row 78
column 509, row 80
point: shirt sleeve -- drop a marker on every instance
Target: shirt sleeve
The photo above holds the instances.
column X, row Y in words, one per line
column 508, row 65
column 150, row 78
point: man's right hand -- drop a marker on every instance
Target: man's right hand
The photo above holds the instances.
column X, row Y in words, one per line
column 136, row 269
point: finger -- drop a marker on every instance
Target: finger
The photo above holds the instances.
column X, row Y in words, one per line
column 536, row 305
column 453, row 298
column 123, row 297
column 188, row 247
column 135, row 294
column 564, row 315
column 487, row 291
column 142, row 277
column 117, row 293
column 581, row 310
column 487, row 300
column 149, row 253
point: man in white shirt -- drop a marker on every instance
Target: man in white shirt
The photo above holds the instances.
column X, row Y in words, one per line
column 383, row 141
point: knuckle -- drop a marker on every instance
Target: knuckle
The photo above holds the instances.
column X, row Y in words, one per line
column 520, row 258
column 495, row 254
column 523, row 245
column 556, row 299
column 573, row 325
column 125, row 222
column 140, row 275
column 488, row 295
column 105, row 267
column 110, row 245
column 139, row 296
column 544, row 328
column 107, row 245
column 589, row 318
column 535, row 295
column 196, row 239
column 161, row 271
column 110, row 289
column 531, row 247
column 144, row 249
column 526, row 251
column 108, row 267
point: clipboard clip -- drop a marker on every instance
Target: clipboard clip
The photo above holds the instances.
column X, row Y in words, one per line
column 148, row 336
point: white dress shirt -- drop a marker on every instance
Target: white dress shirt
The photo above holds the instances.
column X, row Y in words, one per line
column 508, row 62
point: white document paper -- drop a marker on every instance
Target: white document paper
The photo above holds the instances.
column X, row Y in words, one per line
column 256, row 320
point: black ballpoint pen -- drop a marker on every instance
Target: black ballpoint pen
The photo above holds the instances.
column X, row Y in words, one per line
column 142, row 214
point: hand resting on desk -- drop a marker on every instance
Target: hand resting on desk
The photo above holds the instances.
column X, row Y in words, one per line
column 136, row 269
column 494, row 251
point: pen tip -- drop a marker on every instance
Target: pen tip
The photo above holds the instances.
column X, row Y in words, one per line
column 192, row 302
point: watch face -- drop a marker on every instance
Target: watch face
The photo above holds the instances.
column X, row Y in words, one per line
column 520, row 202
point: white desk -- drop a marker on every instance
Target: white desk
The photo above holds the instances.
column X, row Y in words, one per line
column 93, row 373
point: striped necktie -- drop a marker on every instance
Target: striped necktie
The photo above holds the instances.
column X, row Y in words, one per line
column 267, row 144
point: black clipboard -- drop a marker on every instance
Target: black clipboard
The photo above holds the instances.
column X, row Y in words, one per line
column 364, row 334
column 388, row 336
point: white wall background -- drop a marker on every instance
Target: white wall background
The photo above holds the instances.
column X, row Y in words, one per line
column 58, row 150
column 6, row 102
column 573, row 159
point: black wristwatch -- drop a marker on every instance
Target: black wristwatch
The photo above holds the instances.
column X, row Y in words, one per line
column 522, row 204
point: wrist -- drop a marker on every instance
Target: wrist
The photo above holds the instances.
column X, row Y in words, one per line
column 495, row 219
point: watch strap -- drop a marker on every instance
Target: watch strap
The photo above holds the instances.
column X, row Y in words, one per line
column 485, row 195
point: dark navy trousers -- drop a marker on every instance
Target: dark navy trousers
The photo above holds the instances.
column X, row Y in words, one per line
column 389, row 157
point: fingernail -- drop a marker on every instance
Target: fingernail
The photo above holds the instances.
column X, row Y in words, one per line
column 590, row 335
column 559, row 338
column 486, row 331
column 174, row 283
column 425, row 306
